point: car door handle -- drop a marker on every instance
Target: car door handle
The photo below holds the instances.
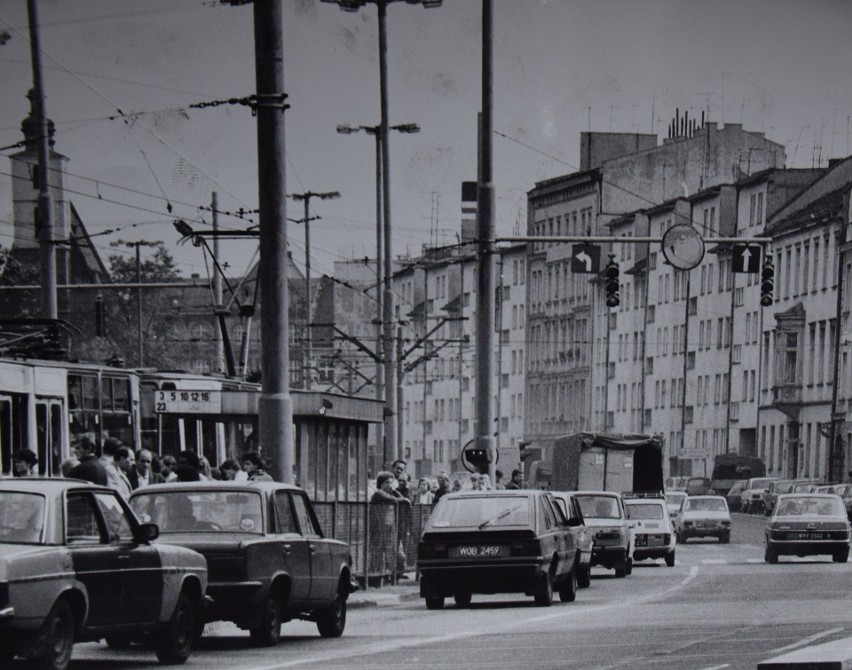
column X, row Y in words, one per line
column 313, row 549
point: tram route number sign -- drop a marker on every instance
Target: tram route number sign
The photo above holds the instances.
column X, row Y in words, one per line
column 187, row 401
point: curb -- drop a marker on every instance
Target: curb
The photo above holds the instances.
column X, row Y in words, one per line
column 370, row 599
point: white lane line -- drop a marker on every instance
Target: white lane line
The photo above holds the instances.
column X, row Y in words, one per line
column 805, row 641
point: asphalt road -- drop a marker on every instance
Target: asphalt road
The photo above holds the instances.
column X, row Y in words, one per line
column 720, row 607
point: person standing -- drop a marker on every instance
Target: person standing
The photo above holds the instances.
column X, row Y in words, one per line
column 23, row 463
column 516, row 481
column 123, row 462
column 424, row 495
column 255, row 468
column 443, row 486
column 144, row 474
column 90, row 468
column 384, row 504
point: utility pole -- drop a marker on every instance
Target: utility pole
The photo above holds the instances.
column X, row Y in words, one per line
column 308, row 366
column 276, row 405
column 485, row 251
column 44, row 215
column 217, row 283
column 139, row 330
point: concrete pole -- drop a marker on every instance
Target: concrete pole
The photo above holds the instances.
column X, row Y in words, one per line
column 380, row 387
column 139, row 343
column 47, row 250
column 217, row 283
column 308, row 364
column 485, row 251
column 276, row 405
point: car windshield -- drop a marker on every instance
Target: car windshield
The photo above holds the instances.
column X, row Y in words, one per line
column 760, row 483
column 483, row 511
column 21, row 517
column 644, row 511
column 599, row 507
column 811, row 505
column 182, row 511
column 706, row 505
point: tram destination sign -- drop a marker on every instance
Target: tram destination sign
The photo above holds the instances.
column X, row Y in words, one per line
column 187, row 401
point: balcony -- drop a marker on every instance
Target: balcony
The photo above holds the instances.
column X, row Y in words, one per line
column 787, row 398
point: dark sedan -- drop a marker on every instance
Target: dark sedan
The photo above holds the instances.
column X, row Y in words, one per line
column 497, row 542
column 808, row 524
column 76, row 565
column 268, row 557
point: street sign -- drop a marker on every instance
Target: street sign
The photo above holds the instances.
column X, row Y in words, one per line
column 746, row 258
column 585, row 258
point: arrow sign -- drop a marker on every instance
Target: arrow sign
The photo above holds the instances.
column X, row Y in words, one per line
column 585, row 258
column 746, row 258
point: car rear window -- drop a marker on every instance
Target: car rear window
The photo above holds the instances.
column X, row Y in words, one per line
column 21, row 517
column 644, row 511
column 706, row 505
column 482, row 511
column 599, row 507
column 183, row 511
column 811, row 505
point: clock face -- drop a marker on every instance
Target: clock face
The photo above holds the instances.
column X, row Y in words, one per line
column 683, row 247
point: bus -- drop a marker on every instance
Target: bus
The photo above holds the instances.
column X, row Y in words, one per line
column 728, row 468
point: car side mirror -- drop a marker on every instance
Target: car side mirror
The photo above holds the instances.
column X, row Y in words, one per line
column 147, row 532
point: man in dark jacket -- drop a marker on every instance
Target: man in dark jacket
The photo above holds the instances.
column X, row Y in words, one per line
column 90, row 468
column 443, row 486
column 517, row 480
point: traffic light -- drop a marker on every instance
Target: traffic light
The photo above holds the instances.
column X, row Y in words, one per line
column 611, row 278
column 100, row 318
column 767, row 282
column 478, row 460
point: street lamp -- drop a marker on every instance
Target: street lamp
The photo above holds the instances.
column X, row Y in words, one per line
column 391, row 449
column 375, row 131
column 131, row 245
column 306, row 196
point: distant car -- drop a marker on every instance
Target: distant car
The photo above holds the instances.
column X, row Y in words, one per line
column 653, row 534
column 808, row 524
column 735, row 495
column 269, row 560
column 754, row 494
column 703, row 516
column 500, row 541
column 674, row 499
column 775, row 489
column 603, row 512
column 698, row 486
column 676, row 483
column 76, row 565
column 582, row 535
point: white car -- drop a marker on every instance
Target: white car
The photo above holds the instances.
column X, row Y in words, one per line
column 703, row 516
column 653, row 534
column 674, row 499
column 605, row 519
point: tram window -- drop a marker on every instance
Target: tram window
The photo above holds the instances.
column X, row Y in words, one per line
column 210, row 440
column 42, row 434
column 89, row 386
column 115, row 394
column 6, row 443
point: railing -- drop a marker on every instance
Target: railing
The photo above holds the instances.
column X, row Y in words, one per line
column 382, row 537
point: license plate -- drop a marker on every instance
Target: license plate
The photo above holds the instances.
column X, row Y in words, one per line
column 707, row 524
column 479, row 551
column 810, row 535
column 641, row 540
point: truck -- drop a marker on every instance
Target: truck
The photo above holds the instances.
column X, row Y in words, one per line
column 587, row 461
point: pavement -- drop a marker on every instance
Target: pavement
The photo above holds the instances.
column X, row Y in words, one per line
column 406, row 589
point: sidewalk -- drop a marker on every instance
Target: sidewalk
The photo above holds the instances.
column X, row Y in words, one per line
column 405, row 590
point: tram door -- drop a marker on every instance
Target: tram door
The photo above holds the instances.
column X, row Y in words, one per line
column 13, row 428
column 49, row 435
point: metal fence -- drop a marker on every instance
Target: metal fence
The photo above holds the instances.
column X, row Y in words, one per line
column 382, row 537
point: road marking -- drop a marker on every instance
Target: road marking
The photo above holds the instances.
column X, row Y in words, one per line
column 713, row 561
column 805, row 641
column 718, row 667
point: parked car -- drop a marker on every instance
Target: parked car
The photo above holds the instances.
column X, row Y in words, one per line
column 604, row 514
column 653, row 534
column 76, row 565
column 703, row 516
column 674, row 499
column 775, row 489
column 734, row 495
column 501, row 541
column 582, row 536
column 268, row 558
column 808, row 524
column 754, row 494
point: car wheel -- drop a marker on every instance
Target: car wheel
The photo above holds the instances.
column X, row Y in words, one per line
column 175, row 643
column 771, row 555
column 584, row 576
column 841, row 556
column 268, row 632
column 332, row 620
column 670, row 558
column 680, row 537
column 119, row 641
column 56, row 639
column 462, row 598
column 435, row 603
column 621, row 567
column 568, row 588
column 628, row 570
column 544, row 596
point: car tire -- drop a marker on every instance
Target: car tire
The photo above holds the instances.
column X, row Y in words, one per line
column 56, row 639
column 462, row 598
column 332, row 620
column 670, row 559
column 434, row 602
column 629, row 568
column 621, row 567
column 568, row 588
column 680, row 537
column 770, row 555
column 840, row 556
column 544, row 596
column 268, row 633
column 584, row 576
column 175, row 643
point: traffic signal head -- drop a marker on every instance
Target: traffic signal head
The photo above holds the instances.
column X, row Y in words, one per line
column 477, row 459
column 767, row 282
column 611, row 281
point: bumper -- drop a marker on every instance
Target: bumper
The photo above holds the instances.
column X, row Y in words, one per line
column 438, row 580
column 7, row 613
column 642, row 553
column 811, row 548
column 609, row 557
column 720, row 532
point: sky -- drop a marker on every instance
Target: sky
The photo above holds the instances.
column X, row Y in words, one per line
column 121, row 77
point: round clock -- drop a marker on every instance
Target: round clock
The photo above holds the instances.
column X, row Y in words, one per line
column 683, row 247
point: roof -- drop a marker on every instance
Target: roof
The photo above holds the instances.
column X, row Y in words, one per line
column 216, row 484
column 51, row 486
